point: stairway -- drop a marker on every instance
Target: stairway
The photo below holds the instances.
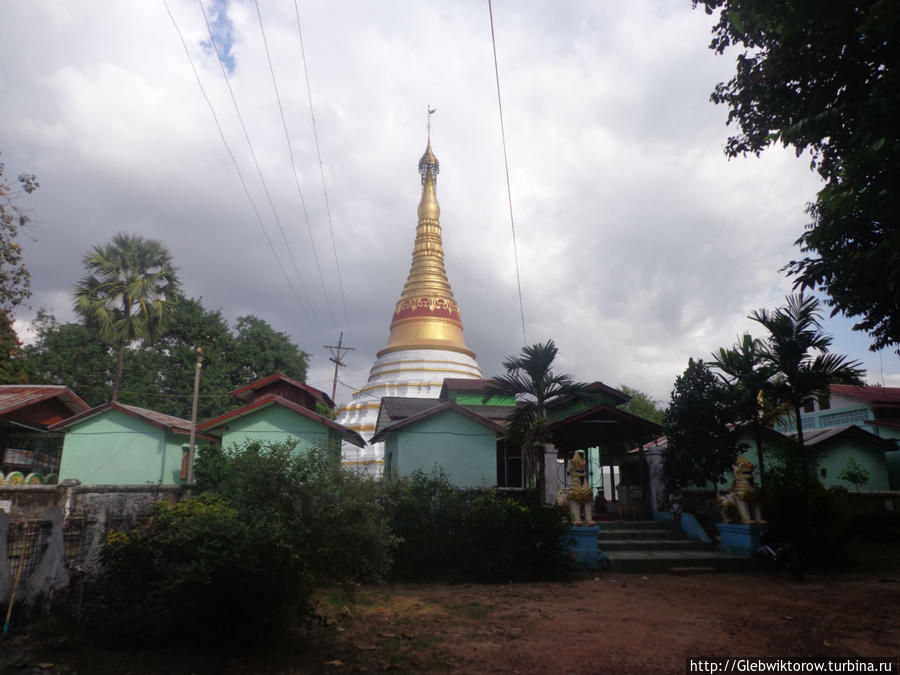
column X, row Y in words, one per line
column 649, row 546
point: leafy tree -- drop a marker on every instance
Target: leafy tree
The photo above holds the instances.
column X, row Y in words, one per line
column 699, row 423
column 746, row 375
column 854, row 474
column 260, row 350
column 796, row 353
column 531, row 381
column 127, row 293
column 642, row 405
column 70, row 354
column 13, row 366
column 159, row 374
column 823, row 77
column 15, row 281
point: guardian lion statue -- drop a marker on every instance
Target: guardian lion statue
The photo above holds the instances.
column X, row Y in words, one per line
column 743, row 495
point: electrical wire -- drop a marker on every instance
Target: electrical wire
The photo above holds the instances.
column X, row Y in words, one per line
column 234, row 162
column 312, row 116
column 512, row 223
column 287, row 138
column 253, row 156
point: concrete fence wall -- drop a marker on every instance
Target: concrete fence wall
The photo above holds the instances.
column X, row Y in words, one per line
column 50, row 534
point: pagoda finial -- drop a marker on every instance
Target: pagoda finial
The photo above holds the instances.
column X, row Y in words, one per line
column 429, row 167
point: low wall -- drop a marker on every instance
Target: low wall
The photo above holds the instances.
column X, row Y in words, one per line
column 50, row 534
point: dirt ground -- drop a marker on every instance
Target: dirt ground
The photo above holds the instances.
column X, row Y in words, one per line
column 604, row 624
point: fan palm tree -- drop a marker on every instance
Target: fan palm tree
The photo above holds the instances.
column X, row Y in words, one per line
column 796, row 354
column 128, row 292
column 531, row 381
column 744, row 371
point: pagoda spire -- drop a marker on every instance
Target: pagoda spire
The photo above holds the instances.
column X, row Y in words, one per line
column 427, row 316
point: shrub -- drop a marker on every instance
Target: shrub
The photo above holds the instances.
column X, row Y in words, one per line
column 237, row 563
column 195, row 571
column 475, row 535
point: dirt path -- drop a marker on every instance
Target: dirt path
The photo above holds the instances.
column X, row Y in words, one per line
column 607, row 624
column 619, row 624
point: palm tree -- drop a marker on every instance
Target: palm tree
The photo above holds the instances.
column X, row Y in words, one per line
column 746, row 374
column 531, row 381
column 796, row 353
column 128, row 292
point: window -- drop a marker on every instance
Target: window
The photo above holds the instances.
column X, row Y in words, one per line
column 823, row 472
column 509, row 465
column 825, row 402
column 809, row 405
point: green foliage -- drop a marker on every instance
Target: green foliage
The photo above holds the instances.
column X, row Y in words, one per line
column 475, row 535
column 699, row 423
column 70, row 354
column 196, row 572
column 820, row 523
column 823, row 78
column 15, row 280
column 329, row 518
column 643, row 405
column 259, row 350
column 236, row 564
column 127, row 293
column 159, row 374
column 531, row 381
column 14, row 368
column 854, row 474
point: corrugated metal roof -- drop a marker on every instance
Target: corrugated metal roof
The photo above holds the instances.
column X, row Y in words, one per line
column 868, row 394
column 401, row 407
column 159, row 418
column 16, row 396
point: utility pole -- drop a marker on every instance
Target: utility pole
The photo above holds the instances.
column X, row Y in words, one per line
column 337, row 352
column 190, row 461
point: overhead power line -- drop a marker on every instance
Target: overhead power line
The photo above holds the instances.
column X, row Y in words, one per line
column 296, row 175
column 512, row 223
column 235, row 163
column 312, row 116
column 253, row 156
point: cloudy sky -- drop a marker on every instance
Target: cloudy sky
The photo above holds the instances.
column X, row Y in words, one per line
column 639, row 243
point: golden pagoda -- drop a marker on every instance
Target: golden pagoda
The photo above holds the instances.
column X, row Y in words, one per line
column 427, row 316
column 425, row 343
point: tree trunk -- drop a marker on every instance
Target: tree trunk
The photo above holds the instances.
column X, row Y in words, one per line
column 120, row 363
column 804, row 466
column 757, row 432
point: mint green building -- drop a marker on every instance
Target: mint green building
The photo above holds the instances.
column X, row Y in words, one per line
column 444, row 436
column 275, row 419
column 119, row 444
column 280, row 408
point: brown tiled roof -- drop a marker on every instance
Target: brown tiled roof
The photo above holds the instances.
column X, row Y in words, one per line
column 868, row 394
column 401, row 407
column 434, row 410
column 272, row 399
column 245, row 393
column 170, row 423
column 16, row 396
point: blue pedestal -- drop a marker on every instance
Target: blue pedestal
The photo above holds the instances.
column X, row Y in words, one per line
column 739, row 538
column 583, row 550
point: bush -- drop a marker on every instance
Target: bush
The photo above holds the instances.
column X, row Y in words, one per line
column 195, row 571
column 474, row 535
column 237, row 563
column 829, row 513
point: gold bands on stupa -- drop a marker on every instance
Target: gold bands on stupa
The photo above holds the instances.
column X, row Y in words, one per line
column 427, row 316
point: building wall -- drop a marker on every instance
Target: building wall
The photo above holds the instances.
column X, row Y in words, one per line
column 114, row 448
column 276, row 424
column 834, row 458
column 464, row 449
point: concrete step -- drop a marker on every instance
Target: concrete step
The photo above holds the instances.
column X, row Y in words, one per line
column 630, row 562
column 638, row 535
column 681, row 544
column 634, row 524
